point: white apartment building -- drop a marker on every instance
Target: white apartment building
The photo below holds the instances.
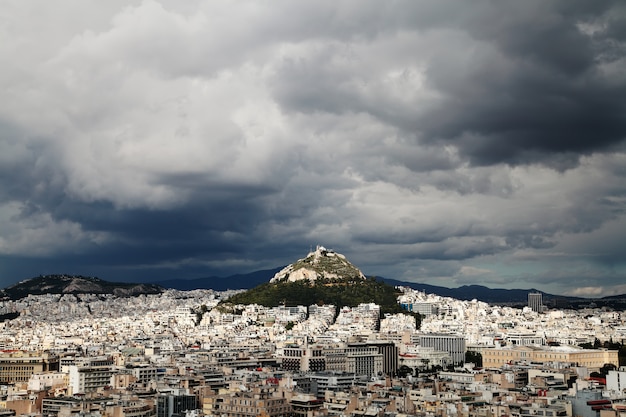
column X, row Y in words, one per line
column 453, row 344
column 90, row 374
column 616, row 381
column 46, row 380
column 524, row 339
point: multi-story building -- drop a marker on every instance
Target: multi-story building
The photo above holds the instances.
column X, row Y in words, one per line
column 66, row 406
column 424, row 308
column 592, row 359
column 303, row 358
column 538, row 410
column 510, row 379
column 126, row 406
column 584, row 402
column 19, row 366
column 47, row 380
column 213, row 378
column 131, row 408
column 364, row 360
column 173, row 405
column 335, row 358
column 370, row 359
column 145, row 374
column 453, row 344
column 616, row 380
column 306, row 406
column 90, row 374
column 331, row 381
column 535, row 301
column 256, row 402
column 424, row 358
column 389, row 352
column 524, row 338
column 52, row 405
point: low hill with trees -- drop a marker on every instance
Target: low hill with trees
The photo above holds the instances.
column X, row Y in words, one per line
column 339, row 292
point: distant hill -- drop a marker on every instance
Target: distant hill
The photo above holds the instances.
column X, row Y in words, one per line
column 470, row 292
column 232, row 282
column 513, row 297
column 75, row 284
column 466, row 292
column 253, row 279
column 322, row 277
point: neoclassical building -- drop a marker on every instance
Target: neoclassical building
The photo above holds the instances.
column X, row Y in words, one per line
column 593, row 359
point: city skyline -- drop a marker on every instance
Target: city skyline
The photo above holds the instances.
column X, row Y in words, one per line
column 435, row 142
column 213, row 354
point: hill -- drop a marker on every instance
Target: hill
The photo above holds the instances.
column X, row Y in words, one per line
column 339, row 292
column 232, row 282
column 323, row 263
column 470, row 292
column 467, row 292
column 76, row 284
column 322, row 277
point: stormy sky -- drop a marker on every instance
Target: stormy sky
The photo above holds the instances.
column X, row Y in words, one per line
column 438, row 141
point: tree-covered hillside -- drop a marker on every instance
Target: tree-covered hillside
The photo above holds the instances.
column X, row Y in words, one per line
column 339, row 292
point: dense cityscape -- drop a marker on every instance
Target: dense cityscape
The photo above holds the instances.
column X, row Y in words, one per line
column 183, row 353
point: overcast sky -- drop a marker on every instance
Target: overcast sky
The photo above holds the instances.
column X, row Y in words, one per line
column 437, row 141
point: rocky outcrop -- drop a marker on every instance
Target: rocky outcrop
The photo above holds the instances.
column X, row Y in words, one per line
column 320, row 264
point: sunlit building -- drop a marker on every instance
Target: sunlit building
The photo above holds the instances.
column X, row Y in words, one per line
column 591, row 358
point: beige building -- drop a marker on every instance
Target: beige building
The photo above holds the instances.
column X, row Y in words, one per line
column 131, row 408
column 616, row 410
column 257, row 402
column 593, row 359
column 19, row 366
column 47, row 380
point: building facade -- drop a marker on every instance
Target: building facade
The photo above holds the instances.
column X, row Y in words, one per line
column 258, row 402
column 19, row 366
column 592, row 359
column 171, row 405
column 90, row 374
column 535, row 301
column 452, row 344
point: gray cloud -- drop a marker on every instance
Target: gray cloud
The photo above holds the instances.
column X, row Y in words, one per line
column 431, row 141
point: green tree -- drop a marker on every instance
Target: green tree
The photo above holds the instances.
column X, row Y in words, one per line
column 604, row 371
column 404, row 370
column 474, row 357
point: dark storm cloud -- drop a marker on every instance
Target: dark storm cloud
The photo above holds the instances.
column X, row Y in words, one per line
column 26, row 167
column 551, row 97
column 523, row 83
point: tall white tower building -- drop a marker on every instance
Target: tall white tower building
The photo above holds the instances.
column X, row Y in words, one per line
column 535, row 301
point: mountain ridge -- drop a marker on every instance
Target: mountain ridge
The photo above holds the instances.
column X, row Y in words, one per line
column 255, row 278
column 75, row 284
